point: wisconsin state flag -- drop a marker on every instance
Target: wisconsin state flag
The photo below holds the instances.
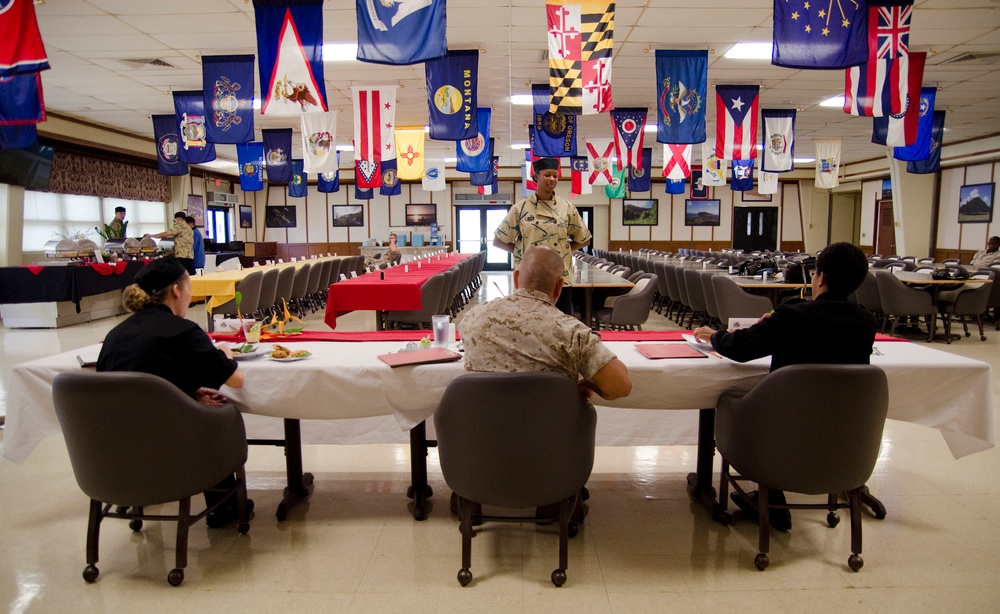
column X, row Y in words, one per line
column 290, row 56
column 410, row 153
column 251, row 161
column 581, row 37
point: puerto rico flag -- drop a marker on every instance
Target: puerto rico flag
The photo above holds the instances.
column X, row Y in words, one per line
column 190, row 110
column 628, row 127
column 374, row 131
column 167, row 135
column 581, row 37
column 21, row 48
column 676, row 161
column 599, row 152
column 251, row 160
column 736, row 121
column 290, row 56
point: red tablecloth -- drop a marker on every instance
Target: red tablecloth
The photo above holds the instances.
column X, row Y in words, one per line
column 399, row 291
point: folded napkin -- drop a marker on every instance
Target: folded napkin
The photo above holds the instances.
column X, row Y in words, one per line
column 34, row 268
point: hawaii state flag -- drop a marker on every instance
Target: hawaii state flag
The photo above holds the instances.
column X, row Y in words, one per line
column 599, row 153
column 742, row 176
column 681, row 92
column 374, row 131
column 713, row 167
column 581, row 37
column 676, row 161
column 579, row 176
column 168, row 144
column 932, row 163
column 21, row 101
column 900, row 129
column 640, row 179
column 736, row 121
column 251, row 160
column 290, row 56
column 879, row 86
column 627, row 126
column 434, row 175
column 474, row 154
column 827, row 162
column 552, row 135
column 299, row 185
column 228, row 90
column 921, row 147
column 21, row 48
column 810, row 37
column 390, row 179
column 452, row 94
column 410, row 153
column 329, row 182
column 189, row 106
column 779, row 140
column 278, row 154
column 398, row 32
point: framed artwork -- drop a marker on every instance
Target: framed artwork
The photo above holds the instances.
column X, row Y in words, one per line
column 753, row 196
column 699, row 190
column 975, row 203
column 348, row 215
column 196, row 209
column 702, row 212
column 246, row 216
column 279, row 217
column 421, row 215
column 637, row 212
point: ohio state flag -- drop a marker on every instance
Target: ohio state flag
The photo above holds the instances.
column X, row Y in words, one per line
column 629, row 125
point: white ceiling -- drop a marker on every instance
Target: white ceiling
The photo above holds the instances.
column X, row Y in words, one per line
column 87, row 39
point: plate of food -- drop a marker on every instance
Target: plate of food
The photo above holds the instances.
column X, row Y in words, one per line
column 280, row 353
column 245, row 351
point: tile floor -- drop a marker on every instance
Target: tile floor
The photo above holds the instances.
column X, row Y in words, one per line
column 645, row 546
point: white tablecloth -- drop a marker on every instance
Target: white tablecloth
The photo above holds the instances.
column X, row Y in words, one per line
column 346, row 395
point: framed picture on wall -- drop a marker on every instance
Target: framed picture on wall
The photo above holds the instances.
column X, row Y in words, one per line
column 196, row 209
column 637, row 212
column 279, row 217
column 348, row 215
column 753, row 196
column 975, row 203
column 702, row 212
column 421, row 215
column 246, row 216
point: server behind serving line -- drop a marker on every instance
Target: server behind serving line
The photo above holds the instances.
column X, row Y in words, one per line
column 183, row 238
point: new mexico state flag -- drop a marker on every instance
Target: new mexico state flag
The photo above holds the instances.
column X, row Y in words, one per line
column 410, row 153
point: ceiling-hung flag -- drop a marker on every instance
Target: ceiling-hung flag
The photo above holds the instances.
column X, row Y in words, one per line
column 390, row 179
column 698, row 188
column 21, row 48
column 474, row 154
column 362, row 193
column 681, row 90
column 779, row 140
column 493, row 185
column 579, row 176
column 318, row 146
column 434, row 174
column 879, row 86
column 616, row 189
column 827, row 162
column 676, row 161
column 486, row 176
column 21, row 100
column 374, row 131
column 250, row 157
column 228, row 87
column 599, row 152
column 810, row 37
column 640, row 179
column 900, row 129
column 921, row 147
column 528, row 185
column 742, row 176
column 932, row 163
column 168, row 145
column 736, row 121
column 581, row 37
column 552, row 135
column 299, row 185
column 290, row 56
column 627, row 126
column 767, row 183
column 189, row 107
column 329, row 182
column 278, row 154
column 713, row 167
column 410, row 153
column 675, row 186
column 530, row 156
column 401, row 32
column 452, row 94
column 20, row 137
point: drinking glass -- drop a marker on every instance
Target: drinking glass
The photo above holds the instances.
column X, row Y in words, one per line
column 440, row 324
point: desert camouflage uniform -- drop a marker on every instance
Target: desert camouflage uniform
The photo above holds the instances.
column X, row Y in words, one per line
column 183, row 240
column 553, row 222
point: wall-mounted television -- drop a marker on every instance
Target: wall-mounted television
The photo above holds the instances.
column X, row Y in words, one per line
column 421, row 215
column 702, row 212
column 30, row 167
column 636, row 212
column 348, row 215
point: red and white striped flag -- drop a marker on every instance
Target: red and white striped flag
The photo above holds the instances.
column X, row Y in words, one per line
column 736, row 121
column 374, row 130
column 676, row 161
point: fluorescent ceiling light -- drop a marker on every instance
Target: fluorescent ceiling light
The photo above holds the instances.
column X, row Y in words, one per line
column 256, row 103
column 222, row 164
column 340, row 52
column 804, row 160
column 650, row 128
column 520, row 145
column 522, row 99
column 450, row 160
column 345, row 147
column 750, row 51
column 836, row 101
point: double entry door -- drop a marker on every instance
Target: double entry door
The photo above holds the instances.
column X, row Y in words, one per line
column 474, row 230
column 755, row 228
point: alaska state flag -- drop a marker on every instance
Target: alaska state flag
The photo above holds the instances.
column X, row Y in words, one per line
column 474, row 154
column 397, row 32
column 228, row 90
column 779, row 140
column 251, row 161
column 21, row 100
column 329, row 182
column 628, row 125
column 21, row 48
column 168, row 144
column 452, row 94
column 736, row 121
column 278, row 154
column 681, row 89
column 640, row 179
column 742, row 176
column 190, row 110
column 290, row 56
column 299, row 185
column 932, row 163
column 553, row 135
column 809, row 37
column 921, row 147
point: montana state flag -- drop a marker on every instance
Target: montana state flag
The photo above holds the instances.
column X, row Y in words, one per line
column 21, row 48
column 410, row 153
column 298, row 187
column 452, row 94
column 251, row 161
column 228, row 85
column 290, row 56
column 581, row 37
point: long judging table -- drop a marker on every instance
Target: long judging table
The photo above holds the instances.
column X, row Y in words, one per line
column 346, row 381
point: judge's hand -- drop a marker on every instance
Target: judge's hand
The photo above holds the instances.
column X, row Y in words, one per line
column 207, row 396
column 704, row 334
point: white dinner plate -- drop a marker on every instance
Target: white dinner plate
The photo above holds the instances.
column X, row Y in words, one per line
column 289, row 359
column 258, row 350
column 690, row 339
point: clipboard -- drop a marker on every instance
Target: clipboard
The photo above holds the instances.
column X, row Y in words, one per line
column 419, row 357
column 669, row 350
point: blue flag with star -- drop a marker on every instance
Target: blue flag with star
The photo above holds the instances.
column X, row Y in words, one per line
column 920, row 149
column 681, row 90
column 819, row 34
column 933, row 162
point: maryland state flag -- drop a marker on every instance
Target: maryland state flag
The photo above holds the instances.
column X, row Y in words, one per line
column 290, row 56
column 410, row 153
column 251, row 161
column 581, row 37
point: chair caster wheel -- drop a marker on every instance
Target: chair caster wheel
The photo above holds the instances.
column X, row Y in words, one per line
column 573, row 530
column 559, row 577
column 723, row 518
column 464, row 576
column 855, row 562
column 121, row 509
column 175, row 577
column 90, row 573
column 832, row 519
column 135, row 524
column 761, row 561
column 243, row 527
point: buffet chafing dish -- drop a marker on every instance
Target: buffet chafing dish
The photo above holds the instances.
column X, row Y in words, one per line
column 61, row 249
column 147, row 246
column 86, row 248
column 166, row 245
column 115, row 246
